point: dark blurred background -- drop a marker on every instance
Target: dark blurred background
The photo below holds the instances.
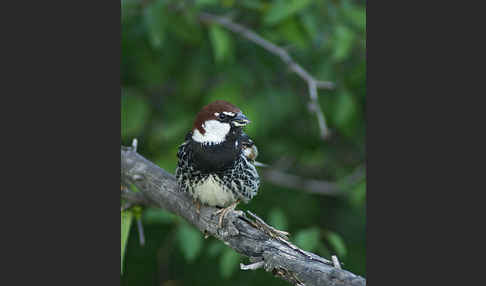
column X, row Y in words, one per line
column 172, row 64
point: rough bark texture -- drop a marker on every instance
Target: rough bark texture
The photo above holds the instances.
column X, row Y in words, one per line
column 245, row 236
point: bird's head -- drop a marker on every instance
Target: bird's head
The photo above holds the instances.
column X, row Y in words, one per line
column 216, row 120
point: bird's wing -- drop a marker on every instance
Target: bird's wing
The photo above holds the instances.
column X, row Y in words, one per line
column 245, row 140
column 183, row 164
column 250, row 150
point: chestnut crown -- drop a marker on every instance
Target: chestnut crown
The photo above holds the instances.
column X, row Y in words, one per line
column 215, row 120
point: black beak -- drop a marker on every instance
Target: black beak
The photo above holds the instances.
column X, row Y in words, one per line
column 240, row 120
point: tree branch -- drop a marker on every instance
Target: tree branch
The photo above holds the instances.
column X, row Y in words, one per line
column 313, row 186
column 245, row 236
column 312, row 83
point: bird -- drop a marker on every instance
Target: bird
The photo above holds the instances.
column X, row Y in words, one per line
column 216, row 160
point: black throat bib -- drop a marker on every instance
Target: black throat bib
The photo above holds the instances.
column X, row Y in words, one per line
column 211, row 158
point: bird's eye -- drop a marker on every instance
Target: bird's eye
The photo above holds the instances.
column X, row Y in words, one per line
column 222, row 116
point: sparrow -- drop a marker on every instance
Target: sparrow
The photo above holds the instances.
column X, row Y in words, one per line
column 216, row 161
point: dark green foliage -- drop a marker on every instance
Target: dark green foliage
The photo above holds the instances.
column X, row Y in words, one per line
column 172, row 65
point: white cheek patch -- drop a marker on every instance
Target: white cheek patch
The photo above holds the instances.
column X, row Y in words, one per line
column 215, row 132
column 232, row 114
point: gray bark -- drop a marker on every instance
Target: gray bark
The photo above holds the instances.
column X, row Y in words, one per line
column 253, row 239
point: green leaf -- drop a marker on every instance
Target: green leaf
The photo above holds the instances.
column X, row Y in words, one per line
column 310, row 24
column 343, row 40
column 293, row 33
column 190, row 241
column 227, row 3
column 134, row 115
column 252, row 4
column 308, row 239
column 202, row 3
column 344, row 107
column 156, row 21
column 337, row 243
column 323, row 250
column 215, row 248
column 126, row 222
column 357, row 195
column 167, row 160
column 228, row 263
column 228, row 91
column 277, row 219
column 357, row 16
column 156, row 215
column 221, row 43
column 282, row 10
column 186, row 27
column 128, row 10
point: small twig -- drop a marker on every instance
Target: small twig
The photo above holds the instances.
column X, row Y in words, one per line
column 126, row 206
column 311, row 185
column 135, row 144
column 260, row 164
column 131, row 199
column 141, row 235
column 335, row 261
column 253, row 266
column 282, row 236
column 270, row 230
column 312, row 83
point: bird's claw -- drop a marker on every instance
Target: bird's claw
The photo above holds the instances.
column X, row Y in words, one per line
column 224, row 211
column 198, row 207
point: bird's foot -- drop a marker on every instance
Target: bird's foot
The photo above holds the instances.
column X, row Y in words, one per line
column 222, row 212
column 198, row 207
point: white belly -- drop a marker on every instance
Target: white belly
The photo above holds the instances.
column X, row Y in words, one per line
column 210, row 192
